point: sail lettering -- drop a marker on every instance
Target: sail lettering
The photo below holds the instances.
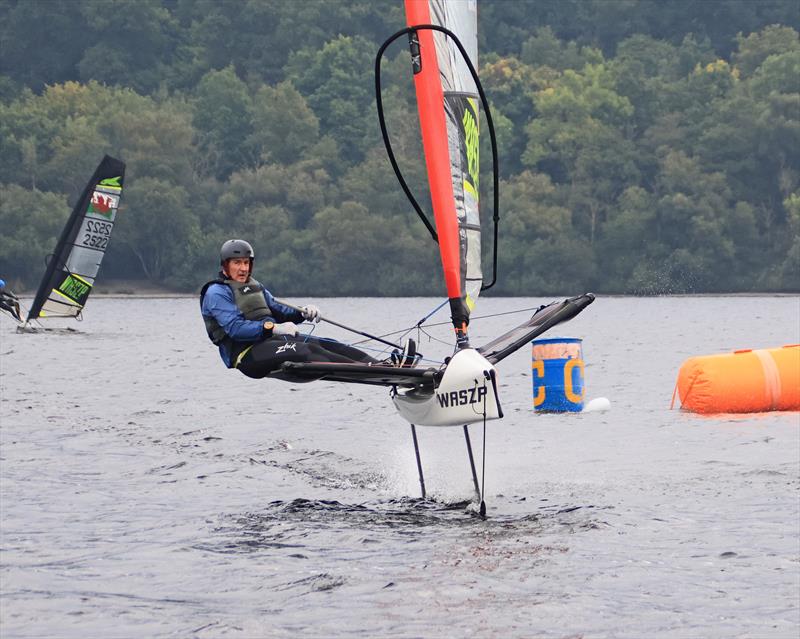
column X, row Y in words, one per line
column 471, row 144
column 474, row 395
column 74, row 288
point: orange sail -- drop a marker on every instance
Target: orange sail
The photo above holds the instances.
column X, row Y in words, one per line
column 448, row 105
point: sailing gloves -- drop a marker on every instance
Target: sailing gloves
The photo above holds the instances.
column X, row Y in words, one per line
column 310, row 313
column 286, row 328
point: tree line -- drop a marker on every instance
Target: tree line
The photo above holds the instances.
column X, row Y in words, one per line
column 645, row 147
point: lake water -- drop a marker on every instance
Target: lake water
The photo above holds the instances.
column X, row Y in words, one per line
column 147, row 491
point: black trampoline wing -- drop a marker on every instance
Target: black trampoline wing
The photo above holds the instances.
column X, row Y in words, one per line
column 542, row 320
column 358, row 374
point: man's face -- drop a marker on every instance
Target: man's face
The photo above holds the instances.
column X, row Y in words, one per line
column 237, row 268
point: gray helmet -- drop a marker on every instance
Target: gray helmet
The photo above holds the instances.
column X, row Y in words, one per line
column 235, row 248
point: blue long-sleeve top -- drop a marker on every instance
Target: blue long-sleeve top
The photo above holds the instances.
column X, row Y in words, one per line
column 218, row 303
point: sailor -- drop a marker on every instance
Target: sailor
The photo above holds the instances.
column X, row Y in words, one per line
column 9, row 302
column 256, row 334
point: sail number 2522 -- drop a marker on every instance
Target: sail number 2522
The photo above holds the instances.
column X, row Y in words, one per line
column 97, row 234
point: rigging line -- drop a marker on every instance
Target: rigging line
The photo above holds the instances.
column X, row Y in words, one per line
column 471, row 319
column 404, row 331
column 345, row 327
column 379, row 351
column 519, row 310
column 429, row 315
column 483, row 462
column 309, row 335
column 432, row 338
column 419, row 324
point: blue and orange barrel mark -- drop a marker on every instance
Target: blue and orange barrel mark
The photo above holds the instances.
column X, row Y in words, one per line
column 569, row 391
column 539, row 392
column 572, row 368
column 558, row 369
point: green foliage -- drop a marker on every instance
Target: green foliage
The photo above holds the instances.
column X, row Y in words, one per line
column 627, row 239
column 37, row 219
column 131, row 44
column 223, row 119
column 159, row 229
column 755, row 48
column 540, row 248
column 338, row 82
column 512, row 87
column 284, row 126
column 363, row 253
column 645, row 146
column 544, row 49
column 579, row 137
column 41, row 42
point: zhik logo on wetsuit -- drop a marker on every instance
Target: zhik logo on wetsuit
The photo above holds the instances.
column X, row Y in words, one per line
column 288, row 346
column 246, row 289
column 461, row 397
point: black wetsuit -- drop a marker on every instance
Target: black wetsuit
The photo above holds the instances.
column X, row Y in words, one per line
column 265, row 357
column 10, row 304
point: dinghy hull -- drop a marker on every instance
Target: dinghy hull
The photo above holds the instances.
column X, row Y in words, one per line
column 467, row 393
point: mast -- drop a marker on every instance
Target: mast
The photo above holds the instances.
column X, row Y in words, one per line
column 447, row 101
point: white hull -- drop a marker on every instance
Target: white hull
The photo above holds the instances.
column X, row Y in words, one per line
column 468, row 390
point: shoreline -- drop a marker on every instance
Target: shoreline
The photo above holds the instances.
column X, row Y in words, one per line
column 138, row 288
column 144, row 289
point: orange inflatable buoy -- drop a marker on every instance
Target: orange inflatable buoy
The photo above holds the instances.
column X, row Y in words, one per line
column 745, row 381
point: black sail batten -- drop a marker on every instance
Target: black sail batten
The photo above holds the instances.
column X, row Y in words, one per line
column 74, row 263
